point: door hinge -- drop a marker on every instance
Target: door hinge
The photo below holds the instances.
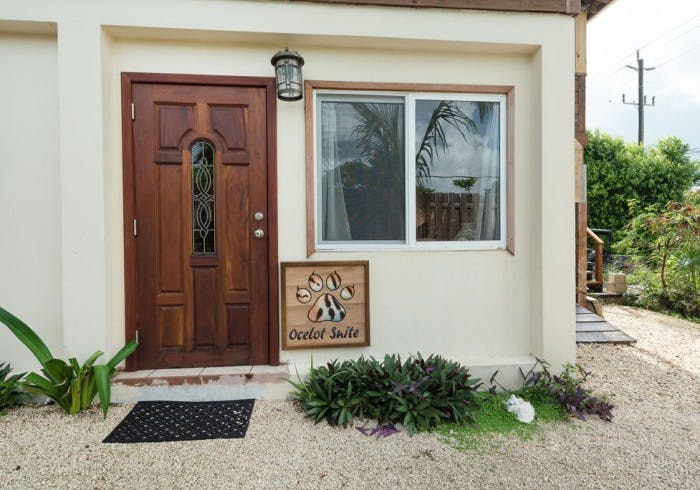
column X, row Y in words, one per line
column 133, row 113
column 137, row 336
column 136, row 229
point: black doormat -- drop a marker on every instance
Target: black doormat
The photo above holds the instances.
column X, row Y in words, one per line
column 162, row 421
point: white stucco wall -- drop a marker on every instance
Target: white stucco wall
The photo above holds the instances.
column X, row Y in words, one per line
column 30, row 247
column 484, row 308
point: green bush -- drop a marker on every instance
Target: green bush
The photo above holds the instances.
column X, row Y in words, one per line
column 565, row 389
column 665, row 245
column 623, row 178
column 11, row 394
column 70, row 385
column 419, row 393
column 647, row 296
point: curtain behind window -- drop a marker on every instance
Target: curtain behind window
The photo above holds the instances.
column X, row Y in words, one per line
column 336, row 226
column 362, row 171
column 488, row 218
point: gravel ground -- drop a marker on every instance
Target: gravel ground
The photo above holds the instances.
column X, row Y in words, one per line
column 671, row 340
column 653, row 441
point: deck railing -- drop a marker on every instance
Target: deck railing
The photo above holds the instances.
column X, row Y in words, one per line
column 597, row 280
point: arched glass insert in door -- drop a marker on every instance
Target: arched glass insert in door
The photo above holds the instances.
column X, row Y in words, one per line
column 203, row 199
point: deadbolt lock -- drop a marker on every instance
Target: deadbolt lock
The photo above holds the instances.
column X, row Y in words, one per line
column 258, row 233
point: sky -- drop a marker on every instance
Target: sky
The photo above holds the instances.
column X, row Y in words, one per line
column 667, row 33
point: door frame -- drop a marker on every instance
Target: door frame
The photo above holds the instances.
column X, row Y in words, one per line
column 127, row 81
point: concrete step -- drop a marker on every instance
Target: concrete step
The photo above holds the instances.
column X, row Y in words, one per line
column 592, row 328
column 611, row 337
column 202, row 384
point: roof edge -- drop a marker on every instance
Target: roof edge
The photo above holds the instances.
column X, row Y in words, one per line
column 568, row 7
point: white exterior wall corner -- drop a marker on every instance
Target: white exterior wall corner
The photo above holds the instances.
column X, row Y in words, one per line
column 30, row 199
column 113, row 209
column 484, row 308
column 82, row 187
column 558, row 226
column 534, row 218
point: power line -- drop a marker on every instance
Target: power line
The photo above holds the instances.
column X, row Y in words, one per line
column 678, row 56
column 669, row 30
column 664, row 44
column 653, row 41
column 680, row 35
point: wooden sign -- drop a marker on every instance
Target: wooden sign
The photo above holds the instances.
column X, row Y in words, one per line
column 325, row 304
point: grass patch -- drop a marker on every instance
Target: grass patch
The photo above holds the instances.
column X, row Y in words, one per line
column 492, row 417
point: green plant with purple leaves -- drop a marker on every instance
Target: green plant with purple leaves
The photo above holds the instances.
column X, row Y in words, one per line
column 418, row 393
column 566, row 389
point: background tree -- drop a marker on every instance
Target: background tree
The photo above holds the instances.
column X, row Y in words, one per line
column 624, row 177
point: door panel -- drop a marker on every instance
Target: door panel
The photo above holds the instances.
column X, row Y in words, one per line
column 201, row 276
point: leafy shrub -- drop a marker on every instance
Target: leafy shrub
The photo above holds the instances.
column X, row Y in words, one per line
column 11, row 394
column 651, row 296
column 70, row 385
column 566, row 389
column 647, row 296
column 665, row 243
column 419, row 393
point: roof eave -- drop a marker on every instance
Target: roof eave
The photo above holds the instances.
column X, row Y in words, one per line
column 593, row 7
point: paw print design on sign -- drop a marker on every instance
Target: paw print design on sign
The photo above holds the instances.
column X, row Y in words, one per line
column 303, row 295
column 315, row 282
column 327, row 307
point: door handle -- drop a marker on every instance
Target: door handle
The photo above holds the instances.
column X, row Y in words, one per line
column 258, row 216
column 259, row 234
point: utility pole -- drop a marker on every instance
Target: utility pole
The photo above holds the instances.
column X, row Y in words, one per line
column 641, row 101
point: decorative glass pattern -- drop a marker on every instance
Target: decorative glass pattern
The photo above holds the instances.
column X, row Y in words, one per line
column 203, row 199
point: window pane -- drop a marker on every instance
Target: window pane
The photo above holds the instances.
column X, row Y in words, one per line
column 457, row 170
column 203, row 215
column 362, row 170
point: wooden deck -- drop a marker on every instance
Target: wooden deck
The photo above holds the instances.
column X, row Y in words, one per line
column 590, row 328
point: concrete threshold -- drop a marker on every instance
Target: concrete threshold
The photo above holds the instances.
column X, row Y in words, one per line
column 202, row 384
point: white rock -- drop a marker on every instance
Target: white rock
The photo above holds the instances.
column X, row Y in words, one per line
column 522, row 409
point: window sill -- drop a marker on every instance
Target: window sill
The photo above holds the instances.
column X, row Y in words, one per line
column 433, row 247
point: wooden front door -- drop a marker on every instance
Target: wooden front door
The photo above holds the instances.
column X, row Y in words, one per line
column 201, row 214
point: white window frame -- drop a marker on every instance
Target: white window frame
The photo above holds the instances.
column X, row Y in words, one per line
column 410, row 242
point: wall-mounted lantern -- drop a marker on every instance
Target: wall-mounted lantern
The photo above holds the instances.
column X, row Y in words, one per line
column 288, row 65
